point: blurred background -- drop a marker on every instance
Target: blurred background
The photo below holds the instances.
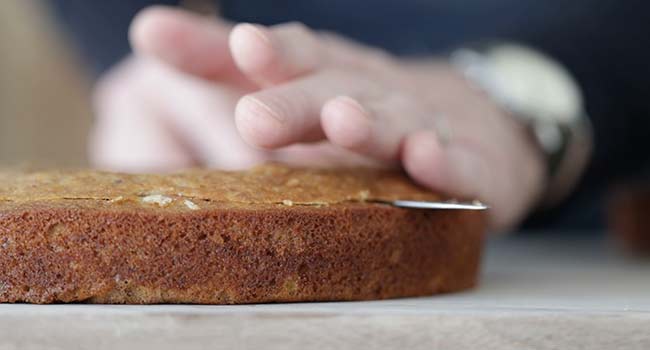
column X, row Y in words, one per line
column 45, row 110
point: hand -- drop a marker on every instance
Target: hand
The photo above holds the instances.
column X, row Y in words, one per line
column 307, row 98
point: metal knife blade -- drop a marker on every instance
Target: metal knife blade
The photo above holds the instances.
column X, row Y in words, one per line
column 476, row 205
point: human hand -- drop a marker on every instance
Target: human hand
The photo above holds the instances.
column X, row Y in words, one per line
column 307, row 98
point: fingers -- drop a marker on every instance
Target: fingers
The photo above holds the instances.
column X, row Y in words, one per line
column 184, row 122
column 274, row 55
column 201, row 114
column 131, row 143
column 301, row 103
column 347, row 123
column 290, row 112
column 193, row 44
column 126, row 135
column 347, row 109
column 373, row 126
column 455, row 169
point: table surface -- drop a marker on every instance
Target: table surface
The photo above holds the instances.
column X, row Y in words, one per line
column 536, row 292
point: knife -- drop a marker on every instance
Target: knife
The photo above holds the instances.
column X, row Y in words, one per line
column 475, row 205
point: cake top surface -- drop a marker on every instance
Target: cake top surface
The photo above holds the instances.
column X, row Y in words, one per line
column 266, row 184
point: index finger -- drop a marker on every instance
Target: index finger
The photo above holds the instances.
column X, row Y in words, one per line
column 192, row 43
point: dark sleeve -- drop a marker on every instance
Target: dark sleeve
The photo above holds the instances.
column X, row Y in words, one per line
column 100, row 27
column 608, row 53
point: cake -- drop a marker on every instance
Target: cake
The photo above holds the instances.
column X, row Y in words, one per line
column 269, row 234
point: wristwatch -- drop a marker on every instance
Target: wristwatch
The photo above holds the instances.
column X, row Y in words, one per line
column 539, row 92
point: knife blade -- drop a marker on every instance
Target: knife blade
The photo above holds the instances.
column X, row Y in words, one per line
column 475, row 205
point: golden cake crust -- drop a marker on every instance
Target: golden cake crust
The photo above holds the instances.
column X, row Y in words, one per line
column 266, row 184
column 114, row 238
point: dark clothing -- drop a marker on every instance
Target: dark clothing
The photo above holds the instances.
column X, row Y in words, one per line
column 604, row 43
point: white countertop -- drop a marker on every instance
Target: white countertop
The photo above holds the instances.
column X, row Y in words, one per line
column 541, row 292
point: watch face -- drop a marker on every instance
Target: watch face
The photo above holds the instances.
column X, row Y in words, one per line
column 533, row 84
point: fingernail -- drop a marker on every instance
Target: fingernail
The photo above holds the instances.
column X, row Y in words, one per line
column 259, row 31
column 349, row 101
column 257, row 107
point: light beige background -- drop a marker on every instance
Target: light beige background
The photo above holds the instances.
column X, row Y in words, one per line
column 44, row 95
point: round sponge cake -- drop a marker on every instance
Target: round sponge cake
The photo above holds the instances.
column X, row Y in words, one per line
column 270, row 234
